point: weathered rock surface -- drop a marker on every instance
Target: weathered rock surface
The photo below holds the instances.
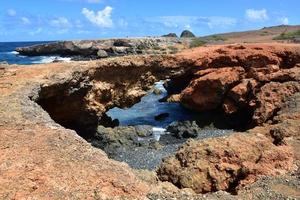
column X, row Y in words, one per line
column 241, row 79
column 110, row 139
column 95, row 49
column 185, row 129
column 41, row 159
column 225, row 163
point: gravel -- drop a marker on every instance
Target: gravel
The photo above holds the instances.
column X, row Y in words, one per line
column 149, row 157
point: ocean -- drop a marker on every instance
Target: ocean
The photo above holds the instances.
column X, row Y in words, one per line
column 9, row 55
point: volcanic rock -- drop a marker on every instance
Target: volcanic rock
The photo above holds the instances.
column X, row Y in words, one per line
column 241, row 79
column 94, row 49
column 41, row 156
column 225, row 163
column 187, row 34
column 185, row 129
column 208, row 91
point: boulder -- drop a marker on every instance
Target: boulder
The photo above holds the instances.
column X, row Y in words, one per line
column 249, row 82
column 110, row 139
column 187, row 34
column 208, row 91
column 226, row 163
column 272, row 98
column 185, row 129
column 102, row 54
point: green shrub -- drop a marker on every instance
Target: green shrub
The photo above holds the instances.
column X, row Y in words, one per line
column 288, row 36
column 216, row 38
column 197, row 42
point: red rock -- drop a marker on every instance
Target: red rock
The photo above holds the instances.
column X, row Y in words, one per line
column 225, row 163
column 217, row 81
column 272, row 98
column 207, row 92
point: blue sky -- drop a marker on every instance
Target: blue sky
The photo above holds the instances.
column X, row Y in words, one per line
column 36, row 20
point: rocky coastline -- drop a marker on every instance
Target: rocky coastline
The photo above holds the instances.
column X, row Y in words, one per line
column 97, row 49
column 253, row 87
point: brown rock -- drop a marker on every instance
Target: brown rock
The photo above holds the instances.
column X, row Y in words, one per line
column 229, row 106
column 208, row 91
column 225, row 163
column 240, row 93
column 216, row 82
column 40, row 159
column 272, row 98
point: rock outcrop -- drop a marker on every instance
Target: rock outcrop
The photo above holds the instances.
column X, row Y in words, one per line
column 187, row 34
column 185, row 129
column 40, row 158
column 225, row 163
column 242, row 79
column 95, row 49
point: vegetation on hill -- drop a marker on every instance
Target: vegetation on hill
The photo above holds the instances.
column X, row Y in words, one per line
column 200, row 41
column 197, row 42
column 288, row 35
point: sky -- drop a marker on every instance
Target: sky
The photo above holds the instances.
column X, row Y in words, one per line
column 43, row 20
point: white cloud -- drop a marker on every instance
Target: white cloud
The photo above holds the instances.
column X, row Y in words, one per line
column 93, row 1
column 25, row 21
column 257, row 15
column 35, row 32
column 221, row 22
column 188, row 22
column 284, row 20
column 101, row 18
column 61, row 22
column 11, row 12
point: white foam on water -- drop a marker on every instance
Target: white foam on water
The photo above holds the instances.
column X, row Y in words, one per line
column 158, row 132
column 64, row 59
column 14, row 52
column 50, row 59
column 160, row 85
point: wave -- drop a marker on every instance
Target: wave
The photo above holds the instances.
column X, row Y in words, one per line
column 50, row 59
column 10, row 52
column 14, row 52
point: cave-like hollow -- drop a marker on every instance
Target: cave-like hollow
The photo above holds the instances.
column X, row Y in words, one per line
column 68, row 104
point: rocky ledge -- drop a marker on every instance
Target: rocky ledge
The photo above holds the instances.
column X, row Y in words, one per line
column 40, row 158
column 95, row 49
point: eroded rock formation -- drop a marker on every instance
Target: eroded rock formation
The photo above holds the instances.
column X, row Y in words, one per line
column 41, row 158
column 225, row 163
column 81, row 101
column 241, row 79
column 95, row 49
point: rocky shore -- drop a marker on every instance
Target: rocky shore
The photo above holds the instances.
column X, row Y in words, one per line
column 255, row 86
column 96, row 49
